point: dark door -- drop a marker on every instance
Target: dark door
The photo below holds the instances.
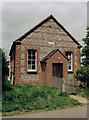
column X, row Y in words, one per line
column 58, row 70
column 57, row 75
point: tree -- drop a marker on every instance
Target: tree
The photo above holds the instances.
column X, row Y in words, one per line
column 85, row 50
column 5, row 68
column 83, row 74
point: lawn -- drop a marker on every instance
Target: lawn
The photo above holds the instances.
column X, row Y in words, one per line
column 35, row 97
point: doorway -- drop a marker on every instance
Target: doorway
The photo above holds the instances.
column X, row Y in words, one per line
column 57, row 70
column 57, row 75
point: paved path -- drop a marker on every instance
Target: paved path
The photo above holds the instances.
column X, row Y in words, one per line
column 80, row 99
column 76, row 112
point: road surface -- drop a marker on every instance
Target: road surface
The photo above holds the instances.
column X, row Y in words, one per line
column 76, row 112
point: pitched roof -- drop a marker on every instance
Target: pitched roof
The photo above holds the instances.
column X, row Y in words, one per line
column 42, row 22
column 51, row 54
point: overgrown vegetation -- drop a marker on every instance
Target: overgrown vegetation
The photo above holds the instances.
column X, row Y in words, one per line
column 35, row 97
column 85, row 50
column 83, row 74
column 5, row 69
column 84, row 93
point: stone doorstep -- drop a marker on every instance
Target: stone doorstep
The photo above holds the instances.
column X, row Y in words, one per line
column 80, row 99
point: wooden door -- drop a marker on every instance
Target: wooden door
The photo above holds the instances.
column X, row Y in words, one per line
column 57, row 75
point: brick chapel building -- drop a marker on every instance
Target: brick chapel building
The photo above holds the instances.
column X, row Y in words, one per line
column 46, row 55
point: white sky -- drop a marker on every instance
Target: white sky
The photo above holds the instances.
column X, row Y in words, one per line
column 19, row 17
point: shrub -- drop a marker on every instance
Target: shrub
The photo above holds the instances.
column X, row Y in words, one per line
column 64, row 94
column 84, row 92
column 8, row 86
column 83, row 76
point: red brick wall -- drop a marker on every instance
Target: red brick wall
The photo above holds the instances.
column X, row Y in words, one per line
column 39, row 40
column 54, row 59
column 18, row 64
column 78, row 58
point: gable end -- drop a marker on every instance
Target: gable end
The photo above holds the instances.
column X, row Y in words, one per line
column 42, row 22
column 37, row 26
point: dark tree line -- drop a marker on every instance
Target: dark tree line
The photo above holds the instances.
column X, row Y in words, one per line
column 4, row 68
column 83, row 74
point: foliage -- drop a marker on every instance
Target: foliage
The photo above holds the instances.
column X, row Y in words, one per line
column 35, row 97
column 84, row 92
column 83, row 74
column 85, row 50
column 8, row 86
column 5, row 69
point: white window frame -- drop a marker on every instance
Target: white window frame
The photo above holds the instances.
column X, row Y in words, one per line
column 32, row 70
column 71, row 61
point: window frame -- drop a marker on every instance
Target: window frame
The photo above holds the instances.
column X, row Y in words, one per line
column 32, row 70
column 69, row 70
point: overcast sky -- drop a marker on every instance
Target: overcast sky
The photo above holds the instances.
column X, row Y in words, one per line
column 19, row 17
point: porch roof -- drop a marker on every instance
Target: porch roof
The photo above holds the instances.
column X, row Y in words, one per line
column 51, row 54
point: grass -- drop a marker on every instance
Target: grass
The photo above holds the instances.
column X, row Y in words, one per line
column 84, row 93
column 33, row 98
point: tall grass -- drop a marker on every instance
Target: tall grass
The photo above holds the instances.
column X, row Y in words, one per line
column 35, row 97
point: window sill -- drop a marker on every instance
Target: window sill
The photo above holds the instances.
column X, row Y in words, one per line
column 32, row 72
column 70, row 71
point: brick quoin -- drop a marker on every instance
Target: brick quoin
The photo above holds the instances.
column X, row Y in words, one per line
column 50, row 39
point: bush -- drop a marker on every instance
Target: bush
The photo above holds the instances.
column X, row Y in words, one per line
column 84, row 92
column 64, row 94
column 83, row 76
column 7, row 86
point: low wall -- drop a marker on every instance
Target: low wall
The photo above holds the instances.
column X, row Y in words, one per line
column 69, row 85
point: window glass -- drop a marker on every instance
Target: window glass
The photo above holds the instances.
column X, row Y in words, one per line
column 32, row 60
column 69, row 56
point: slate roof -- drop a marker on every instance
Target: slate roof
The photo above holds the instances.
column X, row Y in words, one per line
column 50, row 54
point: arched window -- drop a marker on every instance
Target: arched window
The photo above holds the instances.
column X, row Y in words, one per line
column 69, row 55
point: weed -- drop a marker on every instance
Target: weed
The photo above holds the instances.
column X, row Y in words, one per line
column 35, row 97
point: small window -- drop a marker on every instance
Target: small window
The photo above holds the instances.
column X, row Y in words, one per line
column 32, row 60
column 69, row 56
